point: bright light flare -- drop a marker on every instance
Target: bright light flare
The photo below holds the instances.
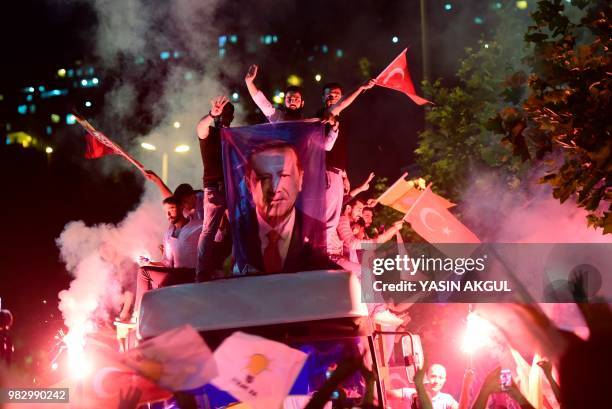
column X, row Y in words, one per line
column 148, row 146
column 177, row 124
column 48, row 149
column 181, row 149
column 477, row 333
column 522, row 4
column 79, row 365
column 318, row 77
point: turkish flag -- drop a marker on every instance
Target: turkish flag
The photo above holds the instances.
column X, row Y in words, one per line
column 401, row 195
column 108, row 380
column 396, row 76
column 96, row 149
column 432, row 221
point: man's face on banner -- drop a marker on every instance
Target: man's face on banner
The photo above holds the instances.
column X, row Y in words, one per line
column 275, row 180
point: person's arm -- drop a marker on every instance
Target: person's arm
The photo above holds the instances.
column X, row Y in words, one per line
column 364, row 186
column 514, row 392
column 346, row 234
column 347, row 100
column 163, row 189
column 216, row 108
column 258, row 97
column 547, row 368
column 464, row 398
column 490, row 385
column 424, row 399
column 331, row 135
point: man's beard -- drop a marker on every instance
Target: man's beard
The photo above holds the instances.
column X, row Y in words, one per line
column 293, row 114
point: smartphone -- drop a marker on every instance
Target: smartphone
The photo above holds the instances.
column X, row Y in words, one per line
column 505, row 379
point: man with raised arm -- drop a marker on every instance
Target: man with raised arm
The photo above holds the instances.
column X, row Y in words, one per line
column 209, row 133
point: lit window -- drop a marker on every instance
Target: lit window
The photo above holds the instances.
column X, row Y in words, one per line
column 94, row 81
column 478, row 20
column 394, row 40
column 79, row 72
column 22, row 109
column 41, row 88
column 88, row 104
column 448, row 7
column 324, row 49
column 221, row 52
column 164, row 55
column 70, row 120
column 61, row 72
column 70, row 73
column 235, row 96
column 90, row 71
column 49, row 130
column 29, row 98
column 275, row 39
column 32, row 109
column 233, row 39
column 55, row 118
column 176, row 54
column 222, row 41
column 339, row 53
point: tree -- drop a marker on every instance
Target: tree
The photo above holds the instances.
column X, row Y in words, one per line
column 459, row 139
column 566, row 115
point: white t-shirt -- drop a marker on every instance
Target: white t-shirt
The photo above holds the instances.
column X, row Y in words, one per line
column 439, row 401
column 181, row 245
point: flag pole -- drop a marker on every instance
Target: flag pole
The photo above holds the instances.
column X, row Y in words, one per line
column 392, row 186
column 405, row 218
column 93, row 132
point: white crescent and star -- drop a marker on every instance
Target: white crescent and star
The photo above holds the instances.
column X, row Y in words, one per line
column 426, row 212
column 394, row 71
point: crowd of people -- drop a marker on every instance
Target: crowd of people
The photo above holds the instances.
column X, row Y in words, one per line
column 197, row 244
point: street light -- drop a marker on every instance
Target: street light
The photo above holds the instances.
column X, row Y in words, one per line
column 182, row 148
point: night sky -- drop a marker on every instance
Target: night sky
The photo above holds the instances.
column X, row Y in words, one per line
column 41, row 195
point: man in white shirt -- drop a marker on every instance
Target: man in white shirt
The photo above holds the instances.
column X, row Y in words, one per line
column 436, row 375
column 180, row 256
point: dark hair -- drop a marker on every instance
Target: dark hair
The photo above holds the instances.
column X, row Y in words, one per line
column 360, row 222
column 332, row 85
column 294, row 89
column 368, row 209
column 183, row 190
column 172, row 200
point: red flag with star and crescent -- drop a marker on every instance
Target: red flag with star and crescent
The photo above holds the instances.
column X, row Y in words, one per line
column 432, row 221
column 396, row 76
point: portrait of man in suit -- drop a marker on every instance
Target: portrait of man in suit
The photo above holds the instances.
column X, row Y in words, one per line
column 284, row 239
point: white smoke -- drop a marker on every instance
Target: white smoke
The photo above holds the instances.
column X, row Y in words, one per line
column 102, row 259
column 130, row 36
column 525, row 214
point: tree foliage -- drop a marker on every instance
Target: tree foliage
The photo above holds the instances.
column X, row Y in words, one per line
column 567, row 109
column 459, row 138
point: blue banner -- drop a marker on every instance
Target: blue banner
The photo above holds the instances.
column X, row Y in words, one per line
column 275, row 186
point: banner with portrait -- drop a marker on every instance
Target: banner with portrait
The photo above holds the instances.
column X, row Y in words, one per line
column 275, row 186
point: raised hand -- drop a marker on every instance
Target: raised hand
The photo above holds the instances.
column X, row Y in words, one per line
column 217, row 104
column 369, row 84
column 251, row 73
